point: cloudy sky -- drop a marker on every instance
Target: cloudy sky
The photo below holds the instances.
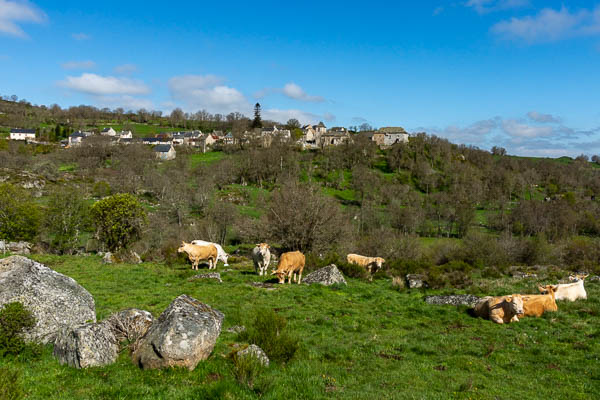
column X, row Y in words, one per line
column 522, row 74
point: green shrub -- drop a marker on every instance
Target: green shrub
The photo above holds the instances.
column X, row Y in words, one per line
column 19, row 215
column 268, row 331
column 14, row 320
column 247, row 369
column 455, row 274
column 10, row 385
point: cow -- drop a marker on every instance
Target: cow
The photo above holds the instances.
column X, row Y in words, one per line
column 199, row 253
column 371, row 264
column 222, row 255
column 537, row 304
column 290, row 263
column 569, row 291
column 501, row 310
column 261, row 256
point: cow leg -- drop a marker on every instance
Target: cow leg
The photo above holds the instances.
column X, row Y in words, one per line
column 496, row 319
column 300, row 277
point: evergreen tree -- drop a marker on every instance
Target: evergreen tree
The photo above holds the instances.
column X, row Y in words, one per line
column 257, row 121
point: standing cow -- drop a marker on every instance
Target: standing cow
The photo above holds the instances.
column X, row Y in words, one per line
column 289, row 264
column 371, row 264
column 200, row 253
column 261, row 255
column 222, row 255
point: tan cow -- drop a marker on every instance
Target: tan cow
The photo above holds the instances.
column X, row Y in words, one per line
column 290, row 263
column 200, row 253
column 569, row 291
column 501, row 310
column 371, row 264
column 534, row 305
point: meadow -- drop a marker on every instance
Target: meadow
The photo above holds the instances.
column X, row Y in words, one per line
column 363, row 340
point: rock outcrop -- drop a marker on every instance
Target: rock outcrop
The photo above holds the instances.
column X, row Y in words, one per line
column 89, row 345
column 329, row 275
column 415, row 281
column 22, row 248
column 209, row 275
column 55, row 300
column 256, row 352
column 454, row 299
column 185, row 334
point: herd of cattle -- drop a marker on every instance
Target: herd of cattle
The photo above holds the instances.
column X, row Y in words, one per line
column 502, row 309
column 290, row 263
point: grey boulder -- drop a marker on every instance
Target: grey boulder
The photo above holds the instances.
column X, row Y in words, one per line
column 15, row 247
column 185, row 334
column 89, row 345
column 55, row 300
column 130, row 324
column 454, row 299
column 209, row 275
column 256, row 352
column 415, row 281
column 329, row 275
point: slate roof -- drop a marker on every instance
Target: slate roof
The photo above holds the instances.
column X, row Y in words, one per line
column 19, row 130
column 162, row 148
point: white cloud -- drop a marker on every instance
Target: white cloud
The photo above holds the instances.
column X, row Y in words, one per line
column 519, row 130
column 80, row 36
column 14, row 12
column 475, row 133
column 79, row 64
column 329, row 117
column 295, row 92
column 207, row 92
column 550, row 25
column 284, row 115
column 104, row 85
column 543, row 118
column 290, row 90
column 126, row 69
column 487, row 6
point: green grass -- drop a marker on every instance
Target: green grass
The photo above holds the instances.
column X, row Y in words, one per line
column 363, row 341
column 205, row 158
column 67, row 167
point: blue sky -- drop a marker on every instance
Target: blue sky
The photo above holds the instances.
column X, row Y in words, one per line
column 522, row 74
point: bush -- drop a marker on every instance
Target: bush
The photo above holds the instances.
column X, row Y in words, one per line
column 14, row 320
column 352, row 270
column 455, row 274
column 268, row 331
column 10, row 385
column 119, row 220
column 19, row 216
column 247, row 369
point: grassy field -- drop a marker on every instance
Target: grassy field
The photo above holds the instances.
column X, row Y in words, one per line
column 363, row 341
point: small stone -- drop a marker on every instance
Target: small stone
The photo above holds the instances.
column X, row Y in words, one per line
column 108, row 258
column 256, row 352
column 455, row 300
column 236, row 329
column 208, row 275
column 416, row 281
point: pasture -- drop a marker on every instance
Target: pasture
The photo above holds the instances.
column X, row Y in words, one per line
column 368, row 340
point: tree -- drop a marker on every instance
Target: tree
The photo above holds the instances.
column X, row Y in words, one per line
column 596, row 159
column 19, row 216
column 119, row 220
column 67, row 217
column 498, row 151
column 292, row 124
column 257, row 121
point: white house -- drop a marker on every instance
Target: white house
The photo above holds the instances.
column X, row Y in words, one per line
column 165, row 152
column 108, row 132
column 76, row 138
column 22, row 134
column 125, row 135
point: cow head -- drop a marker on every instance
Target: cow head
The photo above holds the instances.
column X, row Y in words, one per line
column 515, row 304
column 280, row 275
column 378, row 263
column 263, row 248
column 578, row 277
column 548, row 289
column 181, row 249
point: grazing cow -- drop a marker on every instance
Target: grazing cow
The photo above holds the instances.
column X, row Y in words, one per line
column 200, row 253
column 290, row 263
column 222, row 255
column 535, row 305
column 261, row 255
column 501, row 310
column 371, row 264
column 569, row 291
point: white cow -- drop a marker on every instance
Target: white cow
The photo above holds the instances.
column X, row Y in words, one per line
column 222, row 255
column 571, row 291
column 261, row 255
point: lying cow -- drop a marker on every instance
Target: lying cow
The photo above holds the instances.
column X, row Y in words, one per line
column 289, row 264
column 537, row 304
column 222, row 255
column 569, row 291
column 261, row 256
column 200, row 253
column 501, row 310
column 371, row 264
